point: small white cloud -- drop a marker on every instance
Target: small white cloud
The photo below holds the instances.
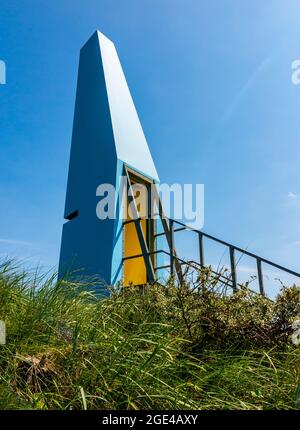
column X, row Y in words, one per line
column 293, row 196
column 297, row 242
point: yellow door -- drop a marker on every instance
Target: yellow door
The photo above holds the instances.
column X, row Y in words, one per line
column 134, row 269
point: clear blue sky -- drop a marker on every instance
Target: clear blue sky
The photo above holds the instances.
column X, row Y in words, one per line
column 211, row 81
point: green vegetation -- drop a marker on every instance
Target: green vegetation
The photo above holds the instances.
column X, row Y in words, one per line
column 172, row 347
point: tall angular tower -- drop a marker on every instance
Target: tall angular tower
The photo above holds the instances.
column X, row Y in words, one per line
column 107, row 137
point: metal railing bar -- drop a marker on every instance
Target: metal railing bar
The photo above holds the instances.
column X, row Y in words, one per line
column 130, row 257
column 128, row 221
column 159, row 234
column 175, row 230
column 179, row 229
column 167, row 266
column 243, row 251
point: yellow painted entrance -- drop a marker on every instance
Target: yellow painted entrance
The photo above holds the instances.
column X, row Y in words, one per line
column 134, row 269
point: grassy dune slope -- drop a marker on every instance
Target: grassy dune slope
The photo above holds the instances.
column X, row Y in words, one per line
column 191, row 346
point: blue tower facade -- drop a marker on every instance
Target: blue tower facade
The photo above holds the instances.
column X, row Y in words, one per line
column 107, row 135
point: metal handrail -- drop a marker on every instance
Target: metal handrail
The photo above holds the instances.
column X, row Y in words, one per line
column 243, row 251
column 232, row 249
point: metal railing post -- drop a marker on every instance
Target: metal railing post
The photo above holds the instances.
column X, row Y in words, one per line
column 260, row 277
column 201, row 249
column 171, row 229
column 233, row 268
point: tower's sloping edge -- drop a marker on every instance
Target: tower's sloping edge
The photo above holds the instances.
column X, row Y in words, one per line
column 130, row 141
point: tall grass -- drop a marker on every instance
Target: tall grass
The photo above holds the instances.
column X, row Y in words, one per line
column 174, row 347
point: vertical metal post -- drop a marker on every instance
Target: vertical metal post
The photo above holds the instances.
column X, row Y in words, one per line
column 260, row 277
column 233, row 268
column 171, row 232
column 167, row 234
column 150, row 227
column 201, row 249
